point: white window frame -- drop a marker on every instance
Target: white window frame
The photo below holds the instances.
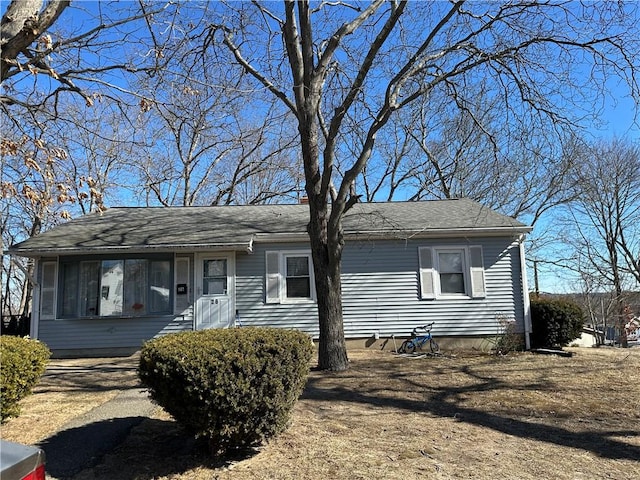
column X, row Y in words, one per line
column 472, row 270
column 464, row 255
column 276, row 277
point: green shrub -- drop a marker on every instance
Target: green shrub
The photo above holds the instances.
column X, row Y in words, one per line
column 22, row 363
column 233, row 387
column 555, row 322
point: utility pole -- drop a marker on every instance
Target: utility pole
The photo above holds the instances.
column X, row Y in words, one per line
column 535, row 278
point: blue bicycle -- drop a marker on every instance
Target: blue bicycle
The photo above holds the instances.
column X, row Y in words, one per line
column 419, row 337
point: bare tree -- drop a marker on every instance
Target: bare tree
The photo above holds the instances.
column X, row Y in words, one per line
column 51, row 174
column 29, row 171
column 203, row 143
column 43, row 57
column 392, row 53
column 519, row 169
column 201, row 149
column 23, row 23
column 603, row 220
column 438, row 150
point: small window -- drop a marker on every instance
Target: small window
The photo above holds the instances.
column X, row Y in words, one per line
column 451, row 272
column 289, row 277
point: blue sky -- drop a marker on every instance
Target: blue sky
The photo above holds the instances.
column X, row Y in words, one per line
column 620, row 119
column 619, row 116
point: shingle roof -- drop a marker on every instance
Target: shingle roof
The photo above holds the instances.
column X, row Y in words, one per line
column 237, row 227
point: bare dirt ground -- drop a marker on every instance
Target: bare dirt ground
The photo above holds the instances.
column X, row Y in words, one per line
column 523, row 416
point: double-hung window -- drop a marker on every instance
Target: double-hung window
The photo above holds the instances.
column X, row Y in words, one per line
column 451, row 271
column 115, row 287
column 289, row 277
column 451, row 267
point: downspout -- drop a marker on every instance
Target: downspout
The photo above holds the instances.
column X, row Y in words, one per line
column 525, row 294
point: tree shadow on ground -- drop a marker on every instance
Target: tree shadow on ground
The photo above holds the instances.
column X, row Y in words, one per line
column 447, row 401
column 74, row 449
column 90, row 375
column 114, row 450
column 88, row 380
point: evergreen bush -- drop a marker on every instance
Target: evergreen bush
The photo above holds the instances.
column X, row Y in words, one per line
column 555, row 323
column 22, row 363
column 234, row 387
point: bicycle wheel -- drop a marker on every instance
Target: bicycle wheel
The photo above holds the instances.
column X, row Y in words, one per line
column 407, row 347
column 435, row 348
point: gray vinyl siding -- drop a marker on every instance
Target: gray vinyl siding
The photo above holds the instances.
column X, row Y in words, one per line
column 250, row 294
column 78, row 334
column 381, row 291
column 381, row 294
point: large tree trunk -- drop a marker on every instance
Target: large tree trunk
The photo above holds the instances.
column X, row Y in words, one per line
column 326, row 249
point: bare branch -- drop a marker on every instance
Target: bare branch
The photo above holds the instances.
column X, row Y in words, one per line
column 228, row 41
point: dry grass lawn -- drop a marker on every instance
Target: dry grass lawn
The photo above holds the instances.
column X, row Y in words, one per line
column 68, row 389
column 523, row 416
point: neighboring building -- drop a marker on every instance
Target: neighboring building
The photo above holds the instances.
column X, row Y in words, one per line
column 107, row 282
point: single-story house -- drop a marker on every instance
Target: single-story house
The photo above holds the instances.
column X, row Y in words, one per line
column 107, row 282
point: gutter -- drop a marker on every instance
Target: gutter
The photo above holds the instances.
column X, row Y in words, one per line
column 168, row 248
column 393, row 234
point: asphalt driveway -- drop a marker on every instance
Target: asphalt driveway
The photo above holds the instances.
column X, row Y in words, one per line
column 85, row 439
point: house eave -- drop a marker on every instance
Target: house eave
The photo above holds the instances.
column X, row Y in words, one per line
column 247, row 246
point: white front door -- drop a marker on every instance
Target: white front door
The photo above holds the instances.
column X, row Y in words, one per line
column 215, row 286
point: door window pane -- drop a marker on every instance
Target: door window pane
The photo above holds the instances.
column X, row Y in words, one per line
column 214, row 280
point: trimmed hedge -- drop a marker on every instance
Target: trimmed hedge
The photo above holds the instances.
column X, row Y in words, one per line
column 22, row 363
column 234, row 387
column 555, row 322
